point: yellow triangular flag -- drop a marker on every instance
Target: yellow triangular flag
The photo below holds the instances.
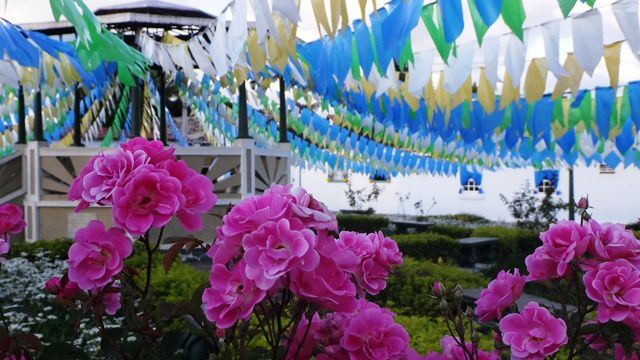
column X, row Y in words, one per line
column 321, row 16
column 612, row 60
column 344, row 15
column 257, row 55
column 486, row 93
column 536, row 80
column 412, row 101
column 335, row 15
column 463, row 94
column 509, row 92
column 569, row 82
column 442, row 96
column 363, row 7
column 430, row 95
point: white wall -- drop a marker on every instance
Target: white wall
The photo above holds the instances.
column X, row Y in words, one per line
column 614, row 197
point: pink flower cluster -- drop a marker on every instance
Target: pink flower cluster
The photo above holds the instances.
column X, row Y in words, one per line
column 368, row 332
column 284, row 239
column 146, row 186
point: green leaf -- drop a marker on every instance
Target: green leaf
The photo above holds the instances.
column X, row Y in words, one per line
column 513, row 15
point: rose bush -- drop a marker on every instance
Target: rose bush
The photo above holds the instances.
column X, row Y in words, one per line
column 592, row 267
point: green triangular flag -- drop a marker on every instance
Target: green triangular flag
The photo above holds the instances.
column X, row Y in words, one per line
column 436, row 31
column 513, row 15
column 355, row 60
column 478, row 23
column 406, row 55
column 566, row 6
column 591, row 2
column 625, row 107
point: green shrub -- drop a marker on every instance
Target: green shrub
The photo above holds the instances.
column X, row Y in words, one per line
column 178, row 284
column 408, row 289
column 513, row 247
column 362, row 223
column 56, row 249
column 428, row 246
column 426, row 333
column 456, row 232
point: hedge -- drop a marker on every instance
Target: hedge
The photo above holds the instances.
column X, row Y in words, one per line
column 456, row 232
column 428, row 246
column 362, row 223
column 56, row 249
column 408, row 289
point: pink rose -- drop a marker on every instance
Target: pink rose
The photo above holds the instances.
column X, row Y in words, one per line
column 615, row 286
column 55, row 287
column 198, row 193
column 312, row 212
column 612, row 242
column 541, row 266
column 533, row 333
column 97, row 255
column 231, row 297
column 224, row 248
column 149, row 199
column 252, row 212
column 372, row 333
column 377, row 254
column 276, row 248
column 11, row 220
column 4, row 247
column 499, row 295
column 102, row 175
column 564, row 242
column 154, row 149
column 327, row 285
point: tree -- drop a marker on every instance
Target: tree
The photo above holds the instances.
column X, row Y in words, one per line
column 530, row 211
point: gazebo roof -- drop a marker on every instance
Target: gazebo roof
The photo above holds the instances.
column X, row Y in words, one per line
column 154, row 7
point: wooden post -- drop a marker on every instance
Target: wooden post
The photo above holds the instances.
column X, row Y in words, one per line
column 283, row 113
column 22, row 122
column 37, row 120
column 243, row 119
column 572, row 201
column 77, row 117
column 163, row 112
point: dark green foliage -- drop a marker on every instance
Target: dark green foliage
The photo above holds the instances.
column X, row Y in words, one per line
column 462, row 218
column 56, row 249
column 428, row 246
column 408, row 289
column 362, row 223
column 531, row 211
column 453, row 231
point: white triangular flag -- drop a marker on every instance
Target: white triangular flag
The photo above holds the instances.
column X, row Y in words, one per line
column 237, row 34
column 288, row 9
column 626, row 13
column 264, row 20
column 420, row 72
column 490, row 52
column 459, row 68
column 217, row 50
column 514, row 59
column 551, row 36
column 587, row 40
